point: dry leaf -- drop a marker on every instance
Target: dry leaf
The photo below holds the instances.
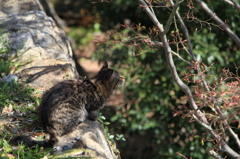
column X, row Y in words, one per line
column 7, row 110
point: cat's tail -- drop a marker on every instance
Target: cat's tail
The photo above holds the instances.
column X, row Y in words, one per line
column 31, row 142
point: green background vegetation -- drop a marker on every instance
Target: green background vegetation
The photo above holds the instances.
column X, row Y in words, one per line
column 151, row 98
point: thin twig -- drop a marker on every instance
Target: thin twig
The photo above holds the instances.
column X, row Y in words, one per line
column 176, row 54
column 179, row 37
column 185, row 31
column 201, row 118
column 182, row 58
column 170, row 19
column 232, row 133
column 219, row 21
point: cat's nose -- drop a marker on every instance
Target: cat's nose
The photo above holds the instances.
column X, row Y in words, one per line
column 122, row 78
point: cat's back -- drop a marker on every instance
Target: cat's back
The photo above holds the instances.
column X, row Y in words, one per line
column 60, row 93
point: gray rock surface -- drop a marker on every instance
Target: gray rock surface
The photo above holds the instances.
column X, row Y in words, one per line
column 10, row 78
column 88, row 136
column 42, row 49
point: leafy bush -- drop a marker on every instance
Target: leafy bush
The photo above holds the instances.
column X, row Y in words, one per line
column 152, row 100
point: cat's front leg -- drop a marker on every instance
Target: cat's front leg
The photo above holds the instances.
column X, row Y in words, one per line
column 92, row 115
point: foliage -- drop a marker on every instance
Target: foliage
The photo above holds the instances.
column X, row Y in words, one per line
column 5, row 64
column 88, row 13
column 69, row 153
column 148, row 118
column 8, row 62
column 220, row 103
column 110, row 137
column 152, row 100
column 150, row 96
column 17, row 104
column 81, row 36
column 14, row 94
column 21, row 151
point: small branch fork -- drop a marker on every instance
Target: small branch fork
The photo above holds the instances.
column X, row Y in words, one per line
column 197, row 114
column 219, row 21
column 185, row 30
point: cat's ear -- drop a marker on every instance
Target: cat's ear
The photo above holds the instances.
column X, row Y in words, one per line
column 105, row 65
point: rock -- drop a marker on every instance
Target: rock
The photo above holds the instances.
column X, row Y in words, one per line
column 90, row 136
column 19, row 6
column 67, row 147
column 43, row 50
column 77, row 138
column 10, row 78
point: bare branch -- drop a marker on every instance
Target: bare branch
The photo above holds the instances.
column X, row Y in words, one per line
column 225, row 148
column 155, row 42
column 206, row 126
column 161, row 44
column 181, row 42
column 196, row 113
column 185, row 30
column 236, row 4
column 170, row 19
column 181, row 58
column 229, row 2
column 232, row 133
column 219, row 21
column 172, row 66
column 214, row 154
column 168, row 51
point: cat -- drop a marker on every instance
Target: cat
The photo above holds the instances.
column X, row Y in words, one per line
column 69, row 103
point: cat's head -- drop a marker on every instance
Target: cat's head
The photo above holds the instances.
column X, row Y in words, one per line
column 109, row 78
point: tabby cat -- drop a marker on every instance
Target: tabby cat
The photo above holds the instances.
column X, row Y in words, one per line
column 69, row 103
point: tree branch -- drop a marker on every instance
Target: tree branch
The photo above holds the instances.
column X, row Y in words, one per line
column 196, row 113
column 225, row 148
column 229, row 2
column 231, row 132
column 170, row 19
column 185, row 30
column 181, row 58
column 236, row 4
column 214, row 154
column 168, row 53
column 219, row 21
